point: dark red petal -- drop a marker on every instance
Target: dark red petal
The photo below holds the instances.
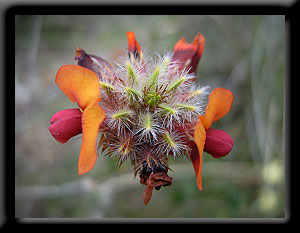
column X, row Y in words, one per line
column 65, row 124
column 189, row 54
column 218, row 143
column 94, row 63
column 133, row 45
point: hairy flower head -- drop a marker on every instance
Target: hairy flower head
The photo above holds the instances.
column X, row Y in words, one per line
column 143, row 109
column 147, row 105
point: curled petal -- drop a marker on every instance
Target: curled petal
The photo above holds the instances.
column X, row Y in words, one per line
column 133, row 45
column 65, row 124
column 189, row 54
column 218, row 143
column 80, row 84
column 219, row 104
column 197, row 151
column 94, row 63
column 92, row 117
column 155, row 180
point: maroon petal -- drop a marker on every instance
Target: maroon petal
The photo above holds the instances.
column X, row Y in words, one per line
column 218, row 143
column 94, row 63
column 188, row 54
column 65, row 124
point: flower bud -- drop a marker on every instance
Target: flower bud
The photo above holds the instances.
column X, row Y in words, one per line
column 133, row 45
column 218, row 143
column 189, row 54
column 65, row 124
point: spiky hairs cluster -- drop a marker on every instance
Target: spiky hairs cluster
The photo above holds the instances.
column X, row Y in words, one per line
column 148, row 101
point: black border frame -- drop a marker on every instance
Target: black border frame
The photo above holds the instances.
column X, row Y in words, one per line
column 129, row 9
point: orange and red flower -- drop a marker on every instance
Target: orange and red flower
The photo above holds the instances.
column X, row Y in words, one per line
column 214, row 141
column 143, row 112
column 80, row 85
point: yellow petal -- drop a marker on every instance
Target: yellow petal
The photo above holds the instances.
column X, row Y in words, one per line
column 92, row 117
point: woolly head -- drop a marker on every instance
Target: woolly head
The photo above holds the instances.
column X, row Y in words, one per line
column 148, row 101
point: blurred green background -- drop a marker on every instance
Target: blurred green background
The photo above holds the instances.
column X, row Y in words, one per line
column 245, row 54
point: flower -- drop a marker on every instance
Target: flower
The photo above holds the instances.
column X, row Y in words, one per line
column 81, row 85
column 214, row 141
column 142, row 109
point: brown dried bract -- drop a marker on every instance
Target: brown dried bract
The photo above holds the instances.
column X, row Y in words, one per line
column 155, row 180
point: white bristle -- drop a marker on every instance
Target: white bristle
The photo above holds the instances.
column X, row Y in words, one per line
column 148, row 101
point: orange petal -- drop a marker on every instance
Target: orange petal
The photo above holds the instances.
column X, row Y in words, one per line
column 80, row 84
column 219, row 104
column 92, row 117
column 189, row 54
column 133, row 45
column 196, row 157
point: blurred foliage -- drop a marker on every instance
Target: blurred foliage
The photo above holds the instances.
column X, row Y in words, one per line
column 245, row 54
